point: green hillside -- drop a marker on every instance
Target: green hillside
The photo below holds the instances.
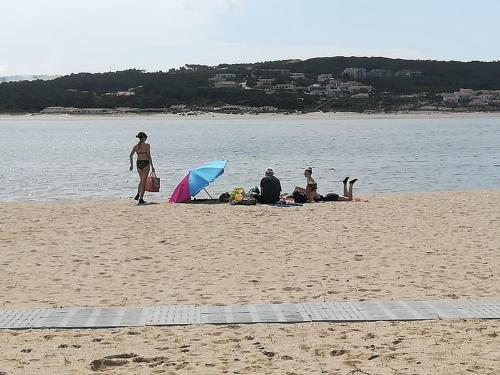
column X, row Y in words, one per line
column 191, row 85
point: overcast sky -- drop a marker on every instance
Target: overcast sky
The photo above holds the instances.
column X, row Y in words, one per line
column 65, row 36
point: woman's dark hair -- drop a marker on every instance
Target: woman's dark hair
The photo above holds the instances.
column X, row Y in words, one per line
column 141, row 135
column 309, row 169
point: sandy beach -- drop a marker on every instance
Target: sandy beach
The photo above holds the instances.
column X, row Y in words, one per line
column 114, row 253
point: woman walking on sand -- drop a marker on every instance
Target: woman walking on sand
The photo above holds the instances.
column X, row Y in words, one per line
column 144, row 161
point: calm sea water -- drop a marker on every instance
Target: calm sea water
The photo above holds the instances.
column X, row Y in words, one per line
column 67, row 157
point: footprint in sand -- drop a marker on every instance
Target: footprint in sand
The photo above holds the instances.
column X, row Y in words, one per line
column 268, row 354
column 111, row 361
column 338, row 352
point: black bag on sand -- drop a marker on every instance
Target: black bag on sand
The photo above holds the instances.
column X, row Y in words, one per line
column 224, row 197
column 253, row 191
column 299, row 197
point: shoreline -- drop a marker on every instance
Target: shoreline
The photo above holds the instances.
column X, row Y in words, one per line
column 267, row 116
column 154, row 200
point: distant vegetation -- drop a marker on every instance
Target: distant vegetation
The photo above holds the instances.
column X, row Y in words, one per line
column 191, row 85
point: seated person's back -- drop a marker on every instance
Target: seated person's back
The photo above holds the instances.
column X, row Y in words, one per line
column 270, row 188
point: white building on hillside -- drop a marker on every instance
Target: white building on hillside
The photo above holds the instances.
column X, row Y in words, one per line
column 297, row 75
column 317, row 89
column 406, row 73
column 381, row 73
column 265, row 82
column 466, row 93
column 355, row 73
column 361, row 95
column 360, row 88
column 225, row 76
column 225, row 84
column 284, row 86
column 324, row 77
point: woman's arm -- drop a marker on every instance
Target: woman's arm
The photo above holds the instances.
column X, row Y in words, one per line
column 151, row 160
column 132, row 158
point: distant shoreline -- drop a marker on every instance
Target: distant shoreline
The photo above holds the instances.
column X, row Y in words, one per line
column 269, row 116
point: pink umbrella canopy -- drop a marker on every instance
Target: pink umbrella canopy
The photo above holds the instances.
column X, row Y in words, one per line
column 181, row 193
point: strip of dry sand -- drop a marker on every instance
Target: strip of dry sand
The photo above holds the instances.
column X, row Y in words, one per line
column 113, row 253
column 395, row 246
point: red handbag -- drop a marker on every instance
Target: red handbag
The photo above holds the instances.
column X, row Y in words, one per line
column 153, row 183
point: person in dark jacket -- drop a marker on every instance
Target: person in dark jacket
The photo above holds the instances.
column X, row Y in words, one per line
column 270, row 188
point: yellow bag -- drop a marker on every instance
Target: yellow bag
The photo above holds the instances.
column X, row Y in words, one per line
column 237, row 195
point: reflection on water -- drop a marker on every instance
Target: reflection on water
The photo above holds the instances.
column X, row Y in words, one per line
column 88, row 157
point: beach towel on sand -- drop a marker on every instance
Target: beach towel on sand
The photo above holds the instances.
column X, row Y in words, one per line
column 359, row 200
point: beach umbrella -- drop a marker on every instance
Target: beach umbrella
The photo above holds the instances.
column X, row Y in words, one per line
column 197, row 180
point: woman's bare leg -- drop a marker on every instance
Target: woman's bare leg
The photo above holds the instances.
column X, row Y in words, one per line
column 349, row 192
column 144, row 176
column 139, row 185
column 138, row 188
column 344, row 181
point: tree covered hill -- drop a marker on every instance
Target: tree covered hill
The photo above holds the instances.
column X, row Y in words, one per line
column 191, row 84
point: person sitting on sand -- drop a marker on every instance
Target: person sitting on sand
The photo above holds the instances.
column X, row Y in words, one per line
column 311, row 190
column 144, row 161
column 270, row 188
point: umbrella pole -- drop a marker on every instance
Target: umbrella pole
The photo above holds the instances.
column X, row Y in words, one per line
column 208, row 193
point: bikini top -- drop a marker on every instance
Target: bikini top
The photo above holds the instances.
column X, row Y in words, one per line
column 311, row 184
column 141, row 152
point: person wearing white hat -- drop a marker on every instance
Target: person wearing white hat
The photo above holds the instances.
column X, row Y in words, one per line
column 270, row 188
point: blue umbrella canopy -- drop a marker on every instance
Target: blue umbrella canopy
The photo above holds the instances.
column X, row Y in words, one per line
column 200, row 177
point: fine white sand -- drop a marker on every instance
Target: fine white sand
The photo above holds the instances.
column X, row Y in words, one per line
column 441, row 347
column 114, row 253
column 97, row 253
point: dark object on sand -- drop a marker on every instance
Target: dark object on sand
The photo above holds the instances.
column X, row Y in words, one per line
column 299, row 197
column 253, row 191
column 203, row 201
column 245, row 202
column 224, row 197
column 330, row 197
column 111, row 361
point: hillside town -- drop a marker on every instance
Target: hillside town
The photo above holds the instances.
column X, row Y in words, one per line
column 328, row 87
column 354, row 88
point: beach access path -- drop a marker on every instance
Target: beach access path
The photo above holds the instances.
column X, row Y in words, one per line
column 172, row 315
